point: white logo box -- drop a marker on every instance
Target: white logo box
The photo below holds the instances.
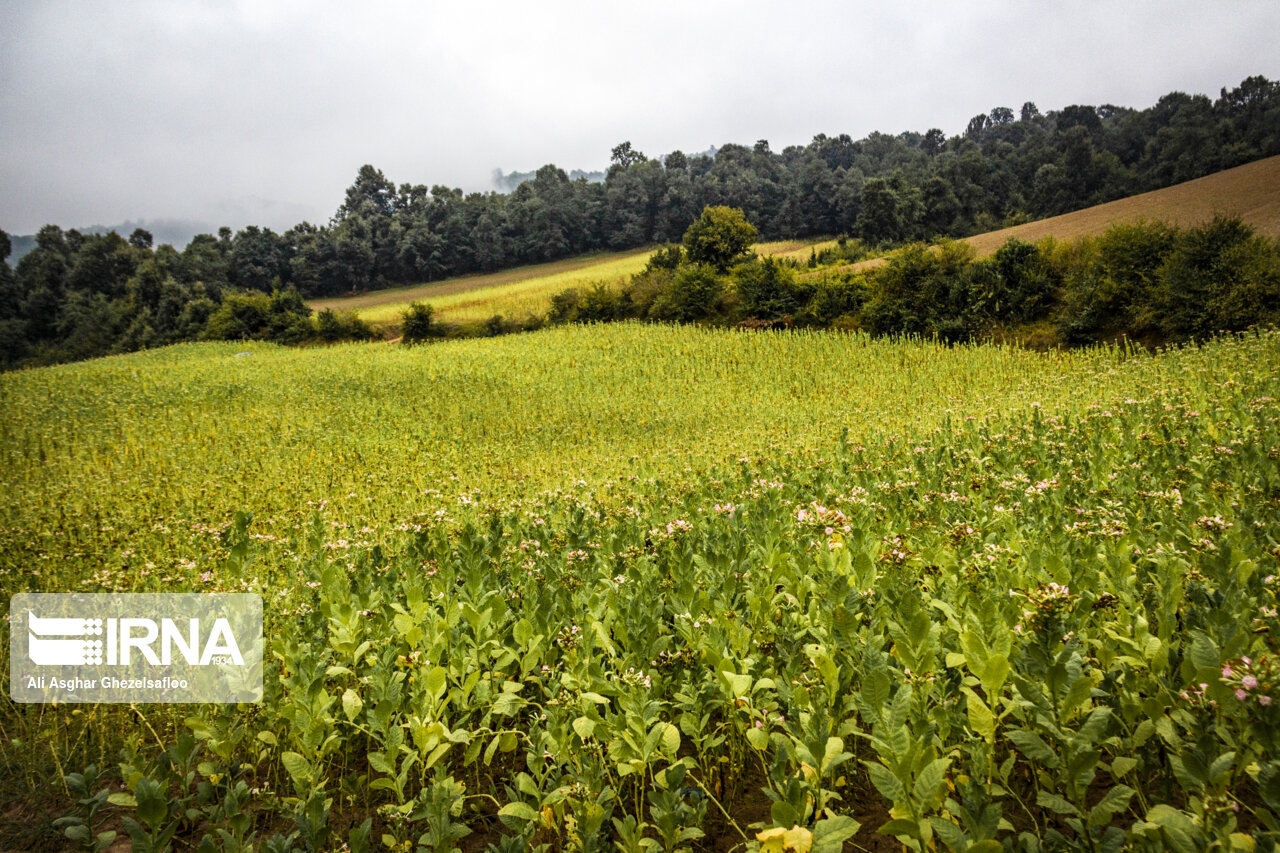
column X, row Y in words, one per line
column 135, row 647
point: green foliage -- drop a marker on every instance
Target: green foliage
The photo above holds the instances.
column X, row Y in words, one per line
column 696, row 292
column 921, row 291
column 241, row 316
column 90, row 802
column 719, row 237
column 416, row 324
column 668, row 257
column 1034, row 609
column 1015, row 285
column 1218, row 276
column 886, row 189
column 767, row 289
column 332, row 327
column 1111, row 284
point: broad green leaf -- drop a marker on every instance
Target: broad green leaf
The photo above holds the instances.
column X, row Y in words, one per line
column 1115, row 800
column 352, row 704
column 670, row 739
column 1032, row 746
column 299, row 768
column 1122, row 765
column 889, row 785
column 1055, row 803
column 829, row 835
column 928, row 785
column 437, row 682
column 901, row 826
column 518, row 810
column 981, row 720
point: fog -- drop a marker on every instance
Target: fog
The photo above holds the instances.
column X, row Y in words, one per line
column 257, row 112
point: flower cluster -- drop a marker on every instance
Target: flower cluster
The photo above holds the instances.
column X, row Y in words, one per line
column 666, row 661
column 1046, row 604
column 1252, row 680
column 568, row 637
column 632, row 677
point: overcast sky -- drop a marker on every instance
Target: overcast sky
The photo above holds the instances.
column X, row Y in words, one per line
column 239, row 112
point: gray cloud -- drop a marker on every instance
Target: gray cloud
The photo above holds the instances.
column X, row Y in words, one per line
column 262, row 111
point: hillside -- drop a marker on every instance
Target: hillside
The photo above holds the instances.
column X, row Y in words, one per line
column 515, row 293
column 1251, row 192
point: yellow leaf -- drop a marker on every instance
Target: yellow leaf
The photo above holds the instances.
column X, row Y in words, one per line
column 797, row 839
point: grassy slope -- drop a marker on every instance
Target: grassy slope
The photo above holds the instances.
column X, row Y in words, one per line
column 517, row 292
column 1251, row 191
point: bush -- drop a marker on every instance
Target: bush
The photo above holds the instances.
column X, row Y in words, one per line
column 834, row 297
column 1221, row 276
column 599, row 305
column 416, row 323
column 696, row 292
column 669, row 257
column 639, row 295
column 768, row 290
column 240, row 317
column 921, row 291
column 1013, row 285
column 564, row 306
column 347, row 326
column 1110, row 284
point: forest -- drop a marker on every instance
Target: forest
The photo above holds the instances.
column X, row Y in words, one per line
column 77, row 296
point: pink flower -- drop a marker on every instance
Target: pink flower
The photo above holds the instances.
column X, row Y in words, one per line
column 1226, row 670
column 1264, row 700
column 1249, row 682
column 1240, row 694
column 1247, row 661
column 802, row 515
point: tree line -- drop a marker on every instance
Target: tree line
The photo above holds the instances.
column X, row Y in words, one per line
column 80, row 296
column 1006, row 167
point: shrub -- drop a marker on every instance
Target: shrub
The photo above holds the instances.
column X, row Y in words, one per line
column 599, row 305
column 241, row 316
column 921, row 291
column 833, row 297
column 564, row 306
column 1220, row 276
column 416, row 323
column 1110, row 284
column 695, row 293
column 1012, row 285
column 767, row 289
column 668, row 257
column 642, row 291
column 346, row 326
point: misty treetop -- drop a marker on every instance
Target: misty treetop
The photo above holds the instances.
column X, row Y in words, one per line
column 1007, row 166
